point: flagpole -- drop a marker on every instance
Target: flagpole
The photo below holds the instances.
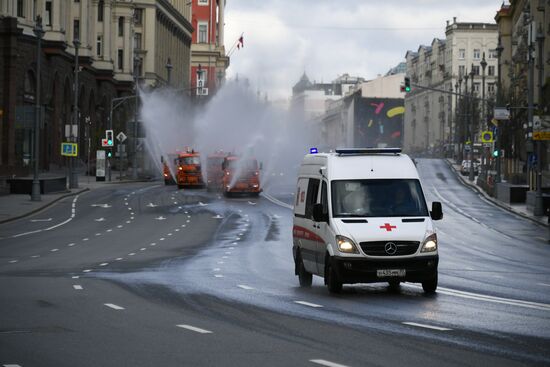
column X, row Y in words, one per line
column 235, row 44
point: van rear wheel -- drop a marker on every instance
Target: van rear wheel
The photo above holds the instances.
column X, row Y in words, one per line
column 394, row 284
column 304, row 276
column 331, row 279
column 430, row 286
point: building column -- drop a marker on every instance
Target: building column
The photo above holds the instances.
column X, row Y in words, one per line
column 84, row 16
column 93, row 30
column 221, row 26
column 107, row 52
column 128, row 46
column 56, row 9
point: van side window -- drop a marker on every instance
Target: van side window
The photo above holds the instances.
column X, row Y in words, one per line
column 312, row 192
column 324, row 197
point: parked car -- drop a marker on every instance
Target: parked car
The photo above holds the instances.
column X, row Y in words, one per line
column 465, row 167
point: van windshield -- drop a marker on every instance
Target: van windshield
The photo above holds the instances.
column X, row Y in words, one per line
column 378, row 198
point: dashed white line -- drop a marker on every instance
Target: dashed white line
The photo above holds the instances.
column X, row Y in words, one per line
column 187, row 221
column 216, row 269
column 218, row 275
column 308, row 304
column 85, row 239
column 183, row 225
column 438, row 328
column 176, row 230
column 161, row 239
column 13, row 261
column 54, row 250
column 77, row 287
column 113, row 306
column 544, row 284
column 142, row 249
column 98, row 234
column 71, row 244
column 323, row 362
column 221, row 262
column 153, row 244
column 11, row 365
column 128, row 222
column 169, row 234
column 119, row 258
column 119, row 226
column 132, row 218
column 75, row 277
column 245, row 287
column 225, row 257
column 35, row 256
column 103, row 264
column 86, row 270
column 131, row 254
column 195, row 329
column 109, row 230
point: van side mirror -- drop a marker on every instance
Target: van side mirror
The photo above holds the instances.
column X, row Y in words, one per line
column 318, row 214
column 437, row 211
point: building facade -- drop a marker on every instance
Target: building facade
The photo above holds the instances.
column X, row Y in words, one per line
column 208, row 58
column 432, row 121
column 110, row 34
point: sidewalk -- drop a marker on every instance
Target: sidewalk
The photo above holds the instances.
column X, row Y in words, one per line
column 519, row 209
column 15, row 206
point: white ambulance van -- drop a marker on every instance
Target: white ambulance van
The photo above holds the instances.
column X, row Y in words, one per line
column 360, row 216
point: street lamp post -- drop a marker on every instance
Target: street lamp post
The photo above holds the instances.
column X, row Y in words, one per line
column 134, row 158
column 466, row 109
column 168, row 71
column 499, row 50
column 471, row 135
column 483, row 64
column 539, row 204
column 73, row 176
column 453, row 137
column 39, row 32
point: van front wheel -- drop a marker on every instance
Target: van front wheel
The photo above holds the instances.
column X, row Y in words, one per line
column 331, row 279
column 304, row 276
column 430, row 286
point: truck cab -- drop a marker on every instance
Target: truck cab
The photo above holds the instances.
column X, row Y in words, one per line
column 189, row 172
column 241, row 176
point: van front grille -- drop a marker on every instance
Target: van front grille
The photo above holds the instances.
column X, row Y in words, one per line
column 378, row 248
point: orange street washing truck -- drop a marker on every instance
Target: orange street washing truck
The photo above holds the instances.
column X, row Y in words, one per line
column 169, row 169
column 214, row 172
column 189, row 172
column 241, row 176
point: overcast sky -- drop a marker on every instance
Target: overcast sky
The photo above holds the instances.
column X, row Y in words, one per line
column 327, row 38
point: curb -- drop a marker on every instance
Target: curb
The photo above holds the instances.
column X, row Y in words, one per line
column 43, row 206
column 491, row 199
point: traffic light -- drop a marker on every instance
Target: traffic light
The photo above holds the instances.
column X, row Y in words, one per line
column 109, row 154
column 109, row 135
column 495, row 153
column 407, row 84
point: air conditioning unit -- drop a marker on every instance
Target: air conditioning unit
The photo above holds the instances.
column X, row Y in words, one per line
column 202, row 91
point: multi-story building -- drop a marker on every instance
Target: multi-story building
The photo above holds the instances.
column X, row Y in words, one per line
column 208, row 58
column 111, row 36
column 431, row 119
column 524, row 43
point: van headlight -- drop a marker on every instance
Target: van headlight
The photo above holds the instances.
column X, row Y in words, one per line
column 346, row 245
column 430, row 243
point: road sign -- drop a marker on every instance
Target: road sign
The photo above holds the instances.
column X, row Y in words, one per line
column 121, row 137
column 69, row 149
column 501, row 113
column 486, row 136
column 541, row 135
column 100, row 165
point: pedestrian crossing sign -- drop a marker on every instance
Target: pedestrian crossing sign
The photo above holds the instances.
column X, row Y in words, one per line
column 486, row 136
column 69, row 149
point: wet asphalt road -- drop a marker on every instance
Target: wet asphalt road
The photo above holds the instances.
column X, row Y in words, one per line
column 145, row 274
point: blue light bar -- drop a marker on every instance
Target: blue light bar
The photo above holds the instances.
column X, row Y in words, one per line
column 313, row 151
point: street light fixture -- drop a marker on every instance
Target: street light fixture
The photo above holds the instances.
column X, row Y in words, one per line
column 73, row 177
column 483, row 64
column 136, row 75
column 498, row 144
column 39, row 32
column 465, row 105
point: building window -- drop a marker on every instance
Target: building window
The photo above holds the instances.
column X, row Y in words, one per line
column 137, row 41
column 120, row 59
column 120, row 26
column 491, row 70
column 76, row 29
column 48, row 14
column 202, row 77
column 477, row 53
column 99, row 46
column 100, row 11
column 138, row 16
column 491, row 88
column 461, row 54
column 476, row 87
column 475, row 69
column 461, row 71
column 76, row 1
column 493, row 54
column 203, row 2
column 203, row 32
column 20, row 9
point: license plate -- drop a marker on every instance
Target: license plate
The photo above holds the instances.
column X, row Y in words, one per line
column 391, row 273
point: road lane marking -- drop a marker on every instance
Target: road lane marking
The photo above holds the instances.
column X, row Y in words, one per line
column 501, row 300
column 100, row 219
column 113, row 306
column 109, row 230
column 160, row 218
column 225, row 257
column 187, row 221
column 98, row 234
column 142, row 249
column 75, row 277
column 103, row 264
column 54, row 250
column 544, row 284
column 41, row 220
column 244, row 287
column 153, row 244
column 35, row 256
column 26, row 233
column 13, row 261
column 221, row 262
column 132, row 218
column 131, row 254
column 119, row 259
column 120, row 226
column 308, row 304
column 216, row 269
column 71, row 244
column 228, row 252
column 218, row 275
column 85, row 239
column 87, row 270
column 11, row 365
column 176, row 230
column 183, row 225
column 195, row 329
column 128, row 222
column 438, row 328
column 77, row 287
column 323, row 362
column 169, row 234
column 161, row 239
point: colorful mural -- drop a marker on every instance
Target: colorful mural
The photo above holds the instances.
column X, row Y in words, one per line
column 378, row 122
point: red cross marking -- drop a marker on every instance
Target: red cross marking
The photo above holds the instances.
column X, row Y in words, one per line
column 387, row 227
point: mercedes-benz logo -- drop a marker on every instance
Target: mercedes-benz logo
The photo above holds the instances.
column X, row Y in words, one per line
column 391, row 248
